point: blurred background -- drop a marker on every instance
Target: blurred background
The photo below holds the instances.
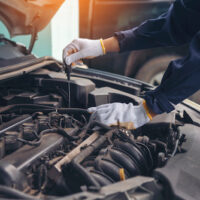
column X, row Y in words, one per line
column 63, row 28
column 96, row 19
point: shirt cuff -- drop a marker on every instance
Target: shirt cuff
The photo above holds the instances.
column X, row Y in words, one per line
column 158, row 102
column 120, row 37
column 126, row 40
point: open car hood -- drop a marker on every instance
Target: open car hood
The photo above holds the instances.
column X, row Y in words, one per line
column 27, row 16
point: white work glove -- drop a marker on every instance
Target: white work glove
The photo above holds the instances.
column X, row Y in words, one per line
column 83, row 48
column 125, row 115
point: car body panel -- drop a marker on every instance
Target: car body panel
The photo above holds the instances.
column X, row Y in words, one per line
column 26, row 17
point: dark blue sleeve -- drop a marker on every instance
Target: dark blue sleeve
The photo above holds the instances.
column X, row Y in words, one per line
column 180, row 25
column 181, row 80
column 175, row 27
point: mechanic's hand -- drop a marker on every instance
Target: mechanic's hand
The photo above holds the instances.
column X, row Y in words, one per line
column 125, row 115
column 83, row 48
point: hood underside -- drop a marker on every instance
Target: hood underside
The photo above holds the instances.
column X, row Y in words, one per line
column 27, row 16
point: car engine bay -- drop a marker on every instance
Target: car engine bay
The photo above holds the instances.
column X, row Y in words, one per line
column 50, row 149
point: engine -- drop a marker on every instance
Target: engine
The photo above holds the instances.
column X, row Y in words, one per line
column 50, row 149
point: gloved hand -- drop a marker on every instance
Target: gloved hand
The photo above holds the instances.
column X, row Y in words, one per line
column 125, row 115
column 83, row 48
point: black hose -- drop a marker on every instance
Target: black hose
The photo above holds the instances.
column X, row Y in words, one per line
column 32, row 108
column 72, row 111
column 38, row 142
column 149, row 156
column 70, row 136
column 100, row 125
column 55, row 130
column 63, row 93
column 7, row 193
column 84, row 154
column 84, row 173
column 92, row 123
column 19, row 107
column 61, row 132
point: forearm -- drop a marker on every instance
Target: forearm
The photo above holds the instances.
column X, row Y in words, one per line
column 173, row 28
column 111, row 44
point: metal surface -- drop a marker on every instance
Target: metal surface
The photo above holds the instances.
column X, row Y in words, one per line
column 24, row 17
column 76, row 151
column 14, row 123
column 16, row 167
column 27, row 155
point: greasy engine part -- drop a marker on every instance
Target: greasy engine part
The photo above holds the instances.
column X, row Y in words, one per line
column 114, row 156
column 31, row 144
column 16, row 167
column 47, row 148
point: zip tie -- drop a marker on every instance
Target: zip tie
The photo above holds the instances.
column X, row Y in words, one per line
column 122, row 174
column 103, row 47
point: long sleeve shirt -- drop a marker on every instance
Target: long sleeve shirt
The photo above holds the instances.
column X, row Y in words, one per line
column 179, row 25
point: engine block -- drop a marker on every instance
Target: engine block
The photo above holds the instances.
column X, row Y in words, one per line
column 47, row 148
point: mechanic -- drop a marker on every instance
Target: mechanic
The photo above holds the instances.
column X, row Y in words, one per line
column 178, row 26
